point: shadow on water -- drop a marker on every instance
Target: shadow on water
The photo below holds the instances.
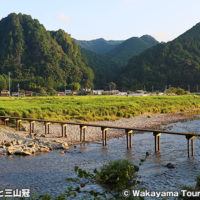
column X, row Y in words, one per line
column 47, row 172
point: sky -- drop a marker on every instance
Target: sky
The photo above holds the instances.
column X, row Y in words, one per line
column 111, row 19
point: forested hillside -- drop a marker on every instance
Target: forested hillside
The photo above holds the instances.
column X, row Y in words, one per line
column 100, row 45
column 39, row 60
column 131, row 47
column 105, row 69
column 176, row 63
column 107, row 66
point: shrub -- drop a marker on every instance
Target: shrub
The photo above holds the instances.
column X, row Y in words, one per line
column 178, row 91
column 118, row 175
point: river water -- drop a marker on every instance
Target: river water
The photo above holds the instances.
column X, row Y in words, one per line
column 46, row 173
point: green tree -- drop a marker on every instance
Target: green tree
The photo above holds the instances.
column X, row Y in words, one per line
column 178, row 91
column 74, row 86
column 112, row 86
column 3, row 82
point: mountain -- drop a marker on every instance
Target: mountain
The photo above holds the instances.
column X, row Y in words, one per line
column 100, row 45
column 39, row 59
column 131, row 47
column 107, row 66
column 104, row 68
column 176, row 63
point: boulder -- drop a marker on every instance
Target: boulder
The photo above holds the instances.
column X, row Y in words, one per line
column 14, row 142
column 19, row 142
column 11, row 150
column 7, row 144
column 32, row 145
column 28, row 151
column 23, row 153
column 43, row 135
column 169, row 165
column 3, row 152
column 65, row 146
column 44, row 149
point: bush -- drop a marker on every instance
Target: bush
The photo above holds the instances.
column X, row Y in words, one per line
column 118, row 175
column 178, row 91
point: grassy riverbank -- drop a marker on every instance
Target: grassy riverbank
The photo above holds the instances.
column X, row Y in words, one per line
column 95, row 108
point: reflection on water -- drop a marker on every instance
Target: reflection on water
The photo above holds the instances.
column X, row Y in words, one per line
column 46, row 172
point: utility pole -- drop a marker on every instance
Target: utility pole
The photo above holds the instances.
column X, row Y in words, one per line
column 18, row 89
column 9, row 82
column 165, row 88
column 189, row 88
column 65, row 88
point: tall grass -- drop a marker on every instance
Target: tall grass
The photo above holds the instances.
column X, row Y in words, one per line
column 94, row 108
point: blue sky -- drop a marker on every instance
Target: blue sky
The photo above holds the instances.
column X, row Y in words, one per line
column 111, row 19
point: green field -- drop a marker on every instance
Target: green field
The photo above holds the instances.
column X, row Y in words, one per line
column 94, row 108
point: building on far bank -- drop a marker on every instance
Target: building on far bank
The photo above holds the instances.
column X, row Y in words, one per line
column 111, row 92
column 122, row 94
column 138, row 94
column 15, row 94
column 115, row 92
column 5, row 93
column 29, row 93
column 75, row 92
column 97, row 92
column 68, row 92
column 61, row 94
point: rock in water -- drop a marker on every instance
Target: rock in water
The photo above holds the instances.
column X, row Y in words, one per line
column 169, row 165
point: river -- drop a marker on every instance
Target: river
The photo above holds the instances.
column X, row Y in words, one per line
column 46, row 173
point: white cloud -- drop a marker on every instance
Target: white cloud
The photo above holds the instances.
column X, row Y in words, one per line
column 64, row 18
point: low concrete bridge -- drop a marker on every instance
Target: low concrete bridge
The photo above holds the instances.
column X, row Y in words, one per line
column 129, row 131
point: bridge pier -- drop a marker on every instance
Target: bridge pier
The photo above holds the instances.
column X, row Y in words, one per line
column 32, row 127
column 46, row 124
column 5, row 121
column 104, row 135
column 157, row 141
column 190, row 138
column 82, row 133
column 64, row 130
column 129, row 138
column 18, row 124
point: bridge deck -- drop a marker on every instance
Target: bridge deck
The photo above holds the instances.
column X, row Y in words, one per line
column 104, row 126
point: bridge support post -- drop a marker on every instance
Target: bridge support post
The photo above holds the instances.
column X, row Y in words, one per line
column 190, row 138
column 157, row 141
column 104, row 135
column 32, row 127
column 5, row 121
column 129, row 138
column 18, row 124
column 64, row 130
column 47, row 124
column 82, row 133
